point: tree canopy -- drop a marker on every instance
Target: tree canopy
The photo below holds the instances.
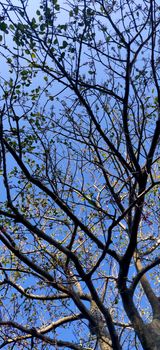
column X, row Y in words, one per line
column 79, row 130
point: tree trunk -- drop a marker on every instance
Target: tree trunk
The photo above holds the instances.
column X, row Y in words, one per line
column 152, row 334
column 105, row 343
column 148, row 334
column 100, row 330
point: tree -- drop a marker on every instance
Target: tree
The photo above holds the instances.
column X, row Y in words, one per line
column 80, row 106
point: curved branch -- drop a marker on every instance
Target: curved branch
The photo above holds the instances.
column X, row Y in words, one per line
column 28, row 295
column 142, row 272
column 32, row 332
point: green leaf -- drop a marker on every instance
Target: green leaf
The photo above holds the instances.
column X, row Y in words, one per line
column 9, row 60
column 42, row 27
column 33, row 55
column 76, row 10
column 3, row 27
column 11, row 27
column 24, row 72
column 57, row 7
column 65, row 44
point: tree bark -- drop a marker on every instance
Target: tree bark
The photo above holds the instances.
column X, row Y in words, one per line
column 152, row 335
column 148, row 334
column 100, row 330
column 105, row 343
